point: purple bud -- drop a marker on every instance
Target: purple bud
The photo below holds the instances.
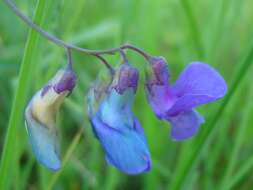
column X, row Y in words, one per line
column 159, row 74
column 66, row 82
column 126, row 77
column 158, row 90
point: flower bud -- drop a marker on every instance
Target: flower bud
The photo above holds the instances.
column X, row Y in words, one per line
column 115, row 125
column 125, row 78
column 40, row 116
column 159, row 74
column 158, row 90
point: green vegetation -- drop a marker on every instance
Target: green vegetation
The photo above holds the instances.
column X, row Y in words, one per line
column 218, row 32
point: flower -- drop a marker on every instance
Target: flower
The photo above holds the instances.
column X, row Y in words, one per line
column 115, row 125
column 198, row 84
column 40, row 117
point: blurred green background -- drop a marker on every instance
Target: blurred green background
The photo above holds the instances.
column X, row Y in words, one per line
column 218, row 32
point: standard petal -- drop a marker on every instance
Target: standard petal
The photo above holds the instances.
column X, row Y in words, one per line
column 44, row 142
column 125, row 149
column 185, row 125
column 198, row 84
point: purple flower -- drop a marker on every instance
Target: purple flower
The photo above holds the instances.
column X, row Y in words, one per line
column 40, row 117
column 198, row 84
column 115, row 125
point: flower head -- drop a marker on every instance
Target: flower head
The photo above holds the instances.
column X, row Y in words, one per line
column 115, row 125
column 40, row 117
column 198, row 84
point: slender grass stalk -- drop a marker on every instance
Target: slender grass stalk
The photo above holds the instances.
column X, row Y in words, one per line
column 238, row 144
column 74, row 18
column 66, row 158
column 219, row 28
column 185, row 170
column 193, row 26
column 228, row 14
column 217, row 146
column 25, row 174
column 244, row 170
column 19, row 100
column 112, row 180
column 161, row 169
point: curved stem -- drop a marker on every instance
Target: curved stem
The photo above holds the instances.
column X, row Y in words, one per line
column 105, row 63
column 69, row 56
column 69, row 46
column 138, row 50
column 123, row 56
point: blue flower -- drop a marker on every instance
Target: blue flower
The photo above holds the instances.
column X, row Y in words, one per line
column 198, row 84
column 40, row 117
column 115, row 125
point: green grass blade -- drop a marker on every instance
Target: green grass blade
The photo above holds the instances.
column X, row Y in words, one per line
column 238, row 143
column 217, row 148
column 244, row 170
column 66, row 158
column 19, row 100
column 219, row 28
column 185, row 170
column 112, row 180
column 193, row 26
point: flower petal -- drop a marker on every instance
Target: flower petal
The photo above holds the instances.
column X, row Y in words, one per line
column 116, row 108
column 44, row 142
column 115, row 125
column 125, row 149
column 160, row 98
column 40, row 116
column 198, row 84
column 158, row 90
column 185, row 125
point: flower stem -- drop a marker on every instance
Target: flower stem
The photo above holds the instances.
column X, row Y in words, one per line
column 69, row 57
column 69, row 46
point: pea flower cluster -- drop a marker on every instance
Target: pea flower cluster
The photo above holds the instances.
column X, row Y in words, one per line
column 110, row 111
column 110, row 102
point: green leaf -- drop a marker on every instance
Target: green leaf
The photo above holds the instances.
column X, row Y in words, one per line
column 6, row 169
